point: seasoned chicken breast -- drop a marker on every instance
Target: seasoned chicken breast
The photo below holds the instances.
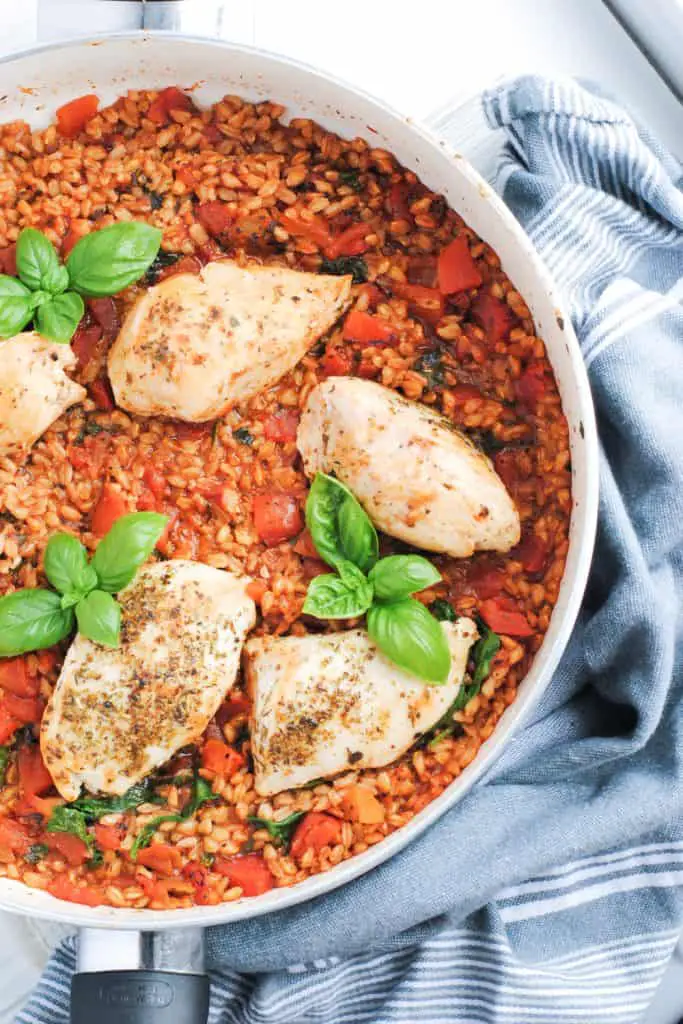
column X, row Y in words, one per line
column 418, row 478
column 117, row 714
column 195, row 345
column 34, row 389
column 323, row 704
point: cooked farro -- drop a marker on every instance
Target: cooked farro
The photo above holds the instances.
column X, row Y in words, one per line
column 237, row 179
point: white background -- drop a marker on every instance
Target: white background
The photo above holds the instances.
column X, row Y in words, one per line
column 418, row 57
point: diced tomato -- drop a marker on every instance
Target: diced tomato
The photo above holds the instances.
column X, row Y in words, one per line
column 313, row 567
column 428, row 303
column 70, row 847
column 161, row 857
column 337, row 362
column 349, row 243
column 531, row 386
column 281, row 426
column 105, row 314
column 372, row 293
column 34, row 778
column 255, row 589
column 457, row 270
column 14, row 837
column 168, row 99
column 191, row 431
column 366, row 328
column 277, row 517
column 155, row 480
column 91, row 455
column 398, row 201
column 493, row 316
column 198, row 875
column 110, row 837
column 48, row 660
column 532, row 552
column 73, row 117
column 187, row 176
column 314, row 832
column 221, row 759
column 101, row 393
column 8, row 260
column 43, row 805
column 316, row 229
column 215, row 217
column 26, row 709
column 86, row 344
column 422, row 271
column 8, row 724
column 213, row 134
column 249, row 871
column 147, row 502
column 111, row 506
column 486, row 582
column 185, row 265
column 502, row 615
column 16, row 678
column 304, row 545
column 367, row 369
column 87, row 895
column 505, row 463
column 466, row 392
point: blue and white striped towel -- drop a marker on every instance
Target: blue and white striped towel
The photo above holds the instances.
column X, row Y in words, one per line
column 554, row 891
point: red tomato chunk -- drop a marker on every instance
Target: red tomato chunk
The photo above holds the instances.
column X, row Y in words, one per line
column 277, row 517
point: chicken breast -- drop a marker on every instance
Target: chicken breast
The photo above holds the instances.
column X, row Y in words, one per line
column 195, row 345
column 323, row 704
column 418, row 478
column 117, row 714
column 34, row 389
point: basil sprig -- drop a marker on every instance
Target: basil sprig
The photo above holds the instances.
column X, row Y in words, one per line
column 31, row 620
column 482, row 656
column 75, row 817
column 201, row 793
column 49, row 293
column 404, row 630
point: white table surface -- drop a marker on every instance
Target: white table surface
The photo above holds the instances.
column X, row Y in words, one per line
column 440, row 52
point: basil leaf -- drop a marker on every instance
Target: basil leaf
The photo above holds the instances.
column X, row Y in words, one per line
column 354, row 265
column 36, row 852
column 339, row 526
column 107, row 261
column 400, row 576
column 66, row 565
column 279, row 831
column 483, row 654
column 38, row 298
column 442, row 610
column 4, row 761
column 99, row 618
column 201, row 793
column 58, row 318
column 128, row 544
column 15, row 306
column 31, row 620
column 95, row 807
column 412, row 638
column 145, row 835
column 339, row 597
column 38, row 264
column 68, row 819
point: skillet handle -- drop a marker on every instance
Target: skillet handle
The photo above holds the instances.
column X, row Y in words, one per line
column 128, row 977
column 139, row 997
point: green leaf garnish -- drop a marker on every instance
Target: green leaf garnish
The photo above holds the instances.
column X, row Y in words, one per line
column 98, row 615
column 340, row 528
column 279, row 831
column 107, row 261
column 412, row 638
column 68, row 819
column 399, row 576
column 15, row 306
column 58, row 317
column 123, row 550
column 442, row 610
column 343, row 596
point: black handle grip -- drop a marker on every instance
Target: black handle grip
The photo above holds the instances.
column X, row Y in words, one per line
column 139, row 997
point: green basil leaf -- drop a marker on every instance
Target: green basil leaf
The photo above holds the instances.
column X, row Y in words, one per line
column 107, row 261
column 39, row 298
column 66, row 565
column 400, row 576
column 442, row 610
column 123, row 550
column 15, row 306
column 279, row 831
column 201, row 793
column 38, row 264
column 4, row 761
column 36, row 852
column 99, row 618
column 340, row 528
column 58, row 319
column 68, row 819
column 412, row 638
column 31, row 620
column 483, row 654
column 95, row 807
column 339, row 597
column 145, row 835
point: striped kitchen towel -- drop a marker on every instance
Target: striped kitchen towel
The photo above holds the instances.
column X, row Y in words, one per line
column 554, row 891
